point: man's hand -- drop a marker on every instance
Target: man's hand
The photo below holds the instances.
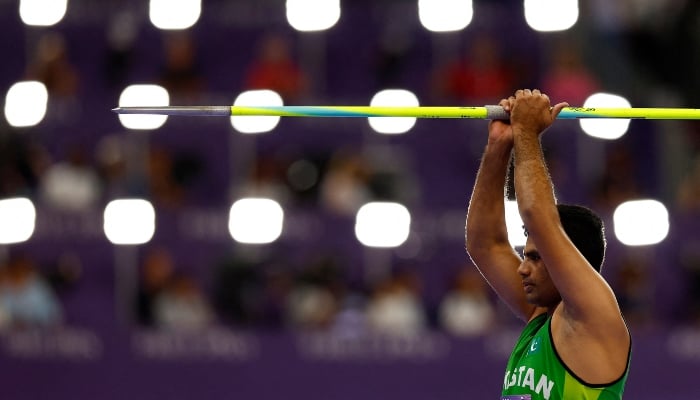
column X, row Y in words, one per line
column 501, row 131
column 530, row 111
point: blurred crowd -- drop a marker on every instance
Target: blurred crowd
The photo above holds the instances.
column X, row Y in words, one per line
column 73, row 175
column 317, row 294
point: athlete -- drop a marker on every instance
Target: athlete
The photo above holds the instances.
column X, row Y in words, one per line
column 576, row 344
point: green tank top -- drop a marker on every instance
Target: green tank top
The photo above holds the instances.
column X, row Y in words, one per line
column 536, row 372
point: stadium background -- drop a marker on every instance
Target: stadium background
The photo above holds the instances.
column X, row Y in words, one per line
column 256, row 344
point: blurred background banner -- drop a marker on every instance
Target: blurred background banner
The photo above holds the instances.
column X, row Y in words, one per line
column 259, row 257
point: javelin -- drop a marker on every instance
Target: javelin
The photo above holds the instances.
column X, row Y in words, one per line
column 485, row 112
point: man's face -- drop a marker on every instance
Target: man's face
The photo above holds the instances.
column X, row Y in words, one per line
column 538, row 286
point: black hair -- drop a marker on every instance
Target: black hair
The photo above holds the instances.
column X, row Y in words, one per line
column 586, row 230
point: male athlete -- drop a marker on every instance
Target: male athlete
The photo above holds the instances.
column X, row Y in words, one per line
column 576, row 344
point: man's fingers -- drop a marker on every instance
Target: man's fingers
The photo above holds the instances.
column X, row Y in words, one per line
column 507, row 104
column 557, row 108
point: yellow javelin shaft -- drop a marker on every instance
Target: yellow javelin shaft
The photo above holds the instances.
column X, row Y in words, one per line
column 362, row 111
column 485, row 112
column 631, row 113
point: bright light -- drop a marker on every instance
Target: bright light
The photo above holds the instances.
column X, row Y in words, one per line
column 514, row 224
column 382, row 224
column 143, row 95
column 174, row 14
column 255, row 220
column 129, row 221
column 605, row 128
column 551, row 15
column 256, row 124
column 313, row 15
column 445, row 15
column 393, row 98
column 641, row 222
column 17, row 218
column 42, row 12
column 25, row 103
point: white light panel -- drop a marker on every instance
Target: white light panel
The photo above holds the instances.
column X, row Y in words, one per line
column 514, row 224
column 252, row 123
column 641, row 222
column 17, row 219
column 256, row 220
column 174, row 14
column 605, row 128
column 313, row 15
column 382, row 224
column 551, row 15
column 129, row 221
column 143, row 95
column 25, row 103
column 393, row 98
column 445, row 15
column 42, row 12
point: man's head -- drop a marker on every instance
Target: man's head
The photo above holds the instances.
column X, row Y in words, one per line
column 586, row 230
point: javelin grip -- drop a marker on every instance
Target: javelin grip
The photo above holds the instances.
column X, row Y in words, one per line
column 496, row 112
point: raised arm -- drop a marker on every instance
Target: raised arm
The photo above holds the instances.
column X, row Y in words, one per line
column 590, row 317
column 486, row 234
column 584, row 292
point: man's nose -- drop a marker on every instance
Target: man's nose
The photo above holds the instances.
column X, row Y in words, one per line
column 523, row 269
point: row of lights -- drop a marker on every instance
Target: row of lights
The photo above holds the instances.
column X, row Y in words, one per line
column 261, row 221
column 319, row 15
column 26, row 104
column 251, row 221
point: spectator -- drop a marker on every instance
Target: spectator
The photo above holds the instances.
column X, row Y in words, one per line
column 617, row 182
column 112, row 159
column 688, row 192
column 157, row 270
column 72, row 184
column 267, row 179
column 22, row 162
column 239, row 291
column 345, row 184
column 180, row 73
column 52, row 67
column 351, row 318
column 121, row 33
column 311, row 307
column 466, row 309
column 181, row 306
column 274, row 69
column 313, row 303
column 171, row 175
column 396, row 308
column 26, row 299
column 567, row 76
column 480, row 76
column 632, row 283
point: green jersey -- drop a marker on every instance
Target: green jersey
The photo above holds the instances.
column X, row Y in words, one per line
column 536, row 372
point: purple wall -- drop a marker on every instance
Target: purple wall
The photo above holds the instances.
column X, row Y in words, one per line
column 77, row 363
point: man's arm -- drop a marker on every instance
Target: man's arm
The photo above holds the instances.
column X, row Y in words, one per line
column 486, row 234
column 590, row 316
column 584, row 292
